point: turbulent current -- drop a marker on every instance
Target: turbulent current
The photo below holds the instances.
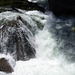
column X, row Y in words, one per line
column 54, row 44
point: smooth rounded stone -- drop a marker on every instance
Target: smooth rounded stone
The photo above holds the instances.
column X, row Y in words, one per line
column 5, row 66
column 62, row 7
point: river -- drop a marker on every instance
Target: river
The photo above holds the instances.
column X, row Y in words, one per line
column 54, row 45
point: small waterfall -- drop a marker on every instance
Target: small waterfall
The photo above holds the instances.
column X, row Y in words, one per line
column 50, row 59
column 34, row 34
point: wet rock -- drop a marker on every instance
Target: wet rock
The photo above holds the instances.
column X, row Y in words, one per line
column 27, row 6
column 21, row 4
column 62, row 7
column 5, row 66
column 16, row 39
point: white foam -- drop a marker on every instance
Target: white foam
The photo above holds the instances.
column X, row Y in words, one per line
column 48, row 61
column 43, row 67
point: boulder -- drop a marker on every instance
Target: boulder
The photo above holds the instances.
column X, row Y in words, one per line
column 62, row 7
column 18, row 39
column 5, row 66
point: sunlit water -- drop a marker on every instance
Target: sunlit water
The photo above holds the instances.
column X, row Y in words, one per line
column 49, row 60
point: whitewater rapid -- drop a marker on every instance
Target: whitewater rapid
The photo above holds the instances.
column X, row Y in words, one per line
column 48, row 61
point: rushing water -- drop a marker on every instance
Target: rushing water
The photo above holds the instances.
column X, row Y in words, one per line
column 50, row 58
column 54, row 44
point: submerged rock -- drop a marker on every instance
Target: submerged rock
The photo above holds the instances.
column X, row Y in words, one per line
column 15, row 38
column 62, row 7
column 5, row 66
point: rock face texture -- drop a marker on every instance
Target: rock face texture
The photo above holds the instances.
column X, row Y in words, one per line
column 15, row 39
column 5, row 66
column 62, row 7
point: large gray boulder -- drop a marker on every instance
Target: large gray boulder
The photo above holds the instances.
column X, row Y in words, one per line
column 16, row 39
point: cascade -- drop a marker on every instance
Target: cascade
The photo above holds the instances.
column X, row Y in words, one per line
column 40, row 43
